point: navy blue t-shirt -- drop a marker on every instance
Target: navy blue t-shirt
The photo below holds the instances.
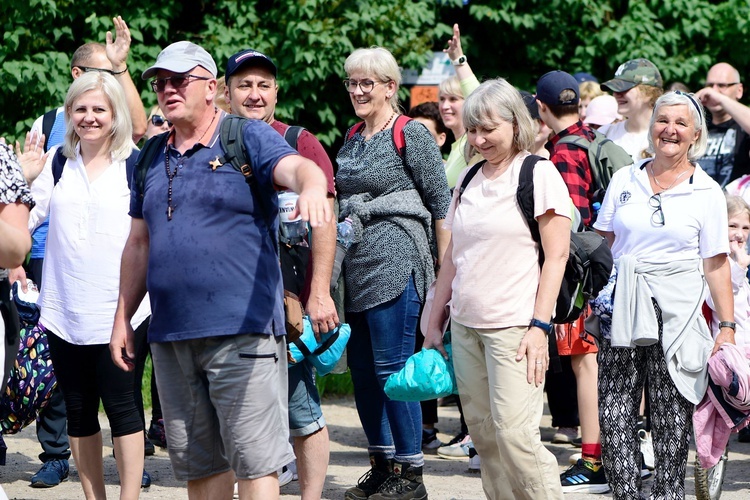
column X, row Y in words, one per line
column 213, row 268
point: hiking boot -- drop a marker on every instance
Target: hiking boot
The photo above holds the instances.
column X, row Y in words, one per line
column 474, row 461
column 157, row 434
column 565, row 435
column 52, row 473
column 381, row 469
column 404, row 484
column 456, row 451
column 582, row 478
column 430, row 440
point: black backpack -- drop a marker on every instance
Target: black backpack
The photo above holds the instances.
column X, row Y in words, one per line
column 589, row 261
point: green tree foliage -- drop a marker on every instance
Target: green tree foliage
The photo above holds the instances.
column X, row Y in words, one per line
column 524, row 39
column 310, row 39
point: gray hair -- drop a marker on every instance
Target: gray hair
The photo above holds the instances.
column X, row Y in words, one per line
column 378, row 62
column 496, row 100
column 120, row 140
column 695, row 108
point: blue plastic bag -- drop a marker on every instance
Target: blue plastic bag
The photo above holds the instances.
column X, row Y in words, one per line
column 426, row 375
column 324, row 354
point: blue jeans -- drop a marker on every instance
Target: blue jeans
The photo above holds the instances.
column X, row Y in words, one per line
column 382, row 340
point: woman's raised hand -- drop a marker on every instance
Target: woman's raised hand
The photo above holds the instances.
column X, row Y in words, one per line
column 32, row 158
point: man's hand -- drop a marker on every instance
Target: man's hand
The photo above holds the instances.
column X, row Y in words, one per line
column 534, row 347
column 119, row 47
column 122, row 345
column 322, row 313
column 711, row 98
column 454, row 49
column 32, row 158
column 313, row 206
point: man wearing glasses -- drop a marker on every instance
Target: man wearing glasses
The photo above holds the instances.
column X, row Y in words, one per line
column 204, row 245
column 111, row 58
column 252, row 92
column 728, row 153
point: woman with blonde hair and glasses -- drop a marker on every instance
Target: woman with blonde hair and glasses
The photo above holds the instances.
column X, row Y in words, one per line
column 87, row 234
column 392, row 200
column 666, row 222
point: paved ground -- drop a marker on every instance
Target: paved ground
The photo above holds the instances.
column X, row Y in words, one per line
column 445, row 479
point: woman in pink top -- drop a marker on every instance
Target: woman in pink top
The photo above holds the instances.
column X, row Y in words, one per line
column 502, row 300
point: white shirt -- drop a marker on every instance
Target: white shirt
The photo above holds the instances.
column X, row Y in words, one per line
column 695, row 217
column 632, row 142
column 88, row 229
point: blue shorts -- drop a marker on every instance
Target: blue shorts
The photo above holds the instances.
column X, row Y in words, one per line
column 305, row 415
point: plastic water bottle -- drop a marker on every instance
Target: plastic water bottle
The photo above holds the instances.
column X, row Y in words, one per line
column 344, row 239
column 345, row 233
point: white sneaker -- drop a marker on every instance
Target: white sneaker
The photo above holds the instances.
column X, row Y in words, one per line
column 573, row 459
column 474, row 461
column 458, row 451
column 647, row 448
column 565, row 435
column 286, row 475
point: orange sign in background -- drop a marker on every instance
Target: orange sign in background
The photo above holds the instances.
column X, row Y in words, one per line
column 423, row 93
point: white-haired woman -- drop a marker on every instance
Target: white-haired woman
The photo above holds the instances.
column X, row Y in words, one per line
column 666, row 221
column 87, row 234
column 393, row 201
column 501, row 314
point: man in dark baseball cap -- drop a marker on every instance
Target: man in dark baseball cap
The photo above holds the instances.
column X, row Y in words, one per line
column 557, row 88
column 252, row 92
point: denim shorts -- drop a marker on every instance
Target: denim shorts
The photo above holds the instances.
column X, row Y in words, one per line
column 224, row 401
column 305, row 415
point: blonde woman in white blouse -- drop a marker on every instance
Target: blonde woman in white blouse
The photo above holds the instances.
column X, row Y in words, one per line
column 89, row 224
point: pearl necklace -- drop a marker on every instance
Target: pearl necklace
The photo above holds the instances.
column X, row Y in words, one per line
column 651, row 167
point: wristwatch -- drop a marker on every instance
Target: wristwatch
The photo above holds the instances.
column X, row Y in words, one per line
column 545, row 327
column 460, row 61
column 728, row 324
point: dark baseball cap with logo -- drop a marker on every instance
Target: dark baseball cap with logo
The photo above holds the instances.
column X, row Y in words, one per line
column 551, row 84
column 249, row 57
column 632, row 73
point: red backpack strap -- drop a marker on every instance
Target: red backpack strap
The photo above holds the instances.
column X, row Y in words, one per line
column 356, row 128
column 399, row 139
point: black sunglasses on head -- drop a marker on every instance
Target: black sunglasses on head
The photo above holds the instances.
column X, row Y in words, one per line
column 159, row 120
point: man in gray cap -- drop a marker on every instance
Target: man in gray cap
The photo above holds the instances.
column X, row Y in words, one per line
column 728, row 150
column 203, row 244
column 252, row 92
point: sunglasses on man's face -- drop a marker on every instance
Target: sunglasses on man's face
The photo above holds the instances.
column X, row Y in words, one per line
column 159, row 120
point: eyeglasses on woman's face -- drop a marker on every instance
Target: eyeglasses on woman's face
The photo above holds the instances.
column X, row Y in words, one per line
column 365, row 86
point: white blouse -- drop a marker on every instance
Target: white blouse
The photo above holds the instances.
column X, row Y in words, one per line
column 89, row 225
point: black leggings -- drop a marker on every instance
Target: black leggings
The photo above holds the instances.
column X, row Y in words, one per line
column 86, row 374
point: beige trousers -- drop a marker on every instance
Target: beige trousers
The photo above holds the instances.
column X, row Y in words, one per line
column 503, row 413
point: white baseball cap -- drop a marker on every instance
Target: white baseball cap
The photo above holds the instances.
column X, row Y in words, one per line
column 181, row 57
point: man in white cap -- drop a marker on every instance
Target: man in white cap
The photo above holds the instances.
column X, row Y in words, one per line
column 201, row 243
